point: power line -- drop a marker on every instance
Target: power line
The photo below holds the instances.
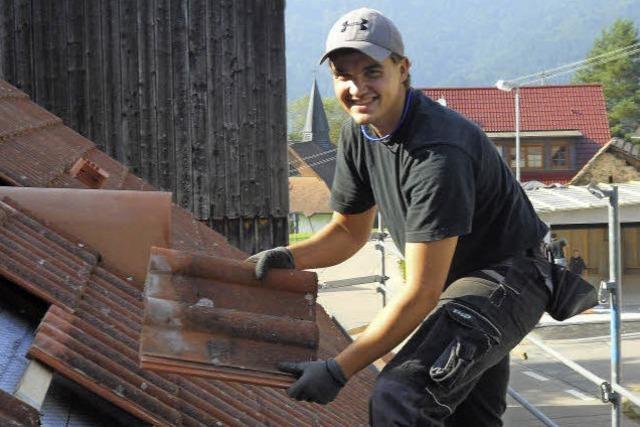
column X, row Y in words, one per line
column 601, row 61
column 611, row 55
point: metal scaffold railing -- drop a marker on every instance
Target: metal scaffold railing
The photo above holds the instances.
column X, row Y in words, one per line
column 611, row 391
column 380, row 279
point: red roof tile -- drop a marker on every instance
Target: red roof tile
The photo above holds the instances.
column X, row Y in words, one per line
column 568, row 107
column 309, row 195
column 15, row 413
column 209, row 316
column 92, row 329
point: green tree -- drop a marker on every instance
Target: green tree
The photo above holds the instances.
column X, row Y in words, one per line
column 620, row 78
column 297, row 114
column 336, row 116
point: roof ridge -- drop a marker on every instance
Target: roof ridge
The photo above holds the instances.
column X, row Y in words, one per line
column 522, row 87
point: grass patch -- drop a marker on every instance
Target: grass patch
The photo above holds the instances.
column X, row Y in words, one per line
column 629, row 409
column 403, row 269
column 299, row 237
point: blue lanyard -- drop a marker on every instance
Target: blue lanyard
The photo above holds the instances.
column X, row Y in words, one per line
column 387, row 137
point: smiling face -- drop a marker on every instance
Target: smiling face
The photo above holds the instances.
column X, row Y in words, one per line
column 371, row 92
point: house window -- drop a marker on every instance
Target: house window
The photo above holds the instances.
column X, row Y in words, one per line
column 559, row 156
column 531, row 156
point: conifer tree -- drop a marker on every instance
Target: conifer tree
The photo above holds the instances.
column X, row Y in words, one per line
column 620, row 77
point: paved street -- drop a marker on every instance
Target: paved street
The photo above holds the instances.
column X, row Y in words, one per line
column 563, row 395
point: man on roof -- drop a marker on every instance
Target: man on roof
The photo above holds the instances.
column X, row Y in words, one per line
column 477, row 281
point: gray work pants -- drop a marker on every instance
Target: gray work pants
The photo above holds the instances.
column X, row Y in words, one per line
column 454, row 371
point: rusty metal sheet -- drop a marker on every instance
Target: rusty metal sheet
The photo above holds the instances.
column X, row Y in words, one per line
column 15, row 413
column 120, row 225
column 209, row 316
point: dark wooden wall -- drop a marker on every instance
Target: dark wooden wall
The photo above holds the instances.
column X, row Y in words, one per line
column 189, row 94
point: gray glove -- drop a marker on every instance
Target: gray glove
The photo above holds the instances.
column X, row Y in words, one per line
column 319, row 381
column 279, row 257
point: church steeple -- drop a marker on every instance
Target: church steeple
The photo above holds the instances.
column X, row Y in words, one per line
column 316, row 127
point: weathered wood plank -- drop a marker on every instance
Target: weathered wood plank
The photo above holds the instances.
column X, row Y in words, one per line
column 230, row 108
column 215, row 115
column 198, row 99
column 40, row 93
column 94, row 87
column 58, row 57
column 75, row 66
column 147, row 99
column 7, row 51
column 165, row 145
column 278, row 116
column 262, row 144
column 129, row 85
column 23, row 45
column 114, row 144
column 181, row 110
column 34, row 384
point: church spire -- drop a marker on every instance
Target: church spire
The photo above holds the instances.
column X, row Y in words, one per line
column 316, row 127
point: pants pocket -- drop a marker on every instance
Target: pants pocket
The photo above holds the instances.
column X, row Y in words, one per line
column 474, row 335
column 453, row 363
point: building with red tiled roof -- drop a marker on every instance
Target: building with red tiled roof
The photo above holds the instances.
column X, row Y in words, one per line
column 309, row 204
column 561, row 127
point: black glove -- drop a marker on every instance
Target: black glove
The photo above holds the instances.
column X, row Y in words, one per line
column 319, row 381
column 279, row 257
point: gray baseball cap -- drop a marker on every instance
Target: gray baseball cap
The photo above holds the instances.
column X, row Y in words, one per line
column 366, row 30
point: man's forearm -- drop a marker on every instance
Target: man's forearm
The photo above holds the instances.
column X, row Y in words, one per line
column 427, row 269
column 390, row 327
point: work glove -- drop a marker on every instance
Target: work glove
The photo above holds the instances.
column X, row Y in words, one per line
column 279, row 257
column 319, row 381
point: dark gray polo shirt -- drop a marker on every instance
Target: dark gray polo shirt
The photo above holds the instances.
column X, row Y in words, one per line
column 438, row 177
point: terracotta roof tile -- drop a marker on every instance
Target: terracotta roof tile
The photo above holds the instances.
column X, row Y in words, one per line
column 309, row 195
column 224, row 323
column 86, row 326
column 16, row 413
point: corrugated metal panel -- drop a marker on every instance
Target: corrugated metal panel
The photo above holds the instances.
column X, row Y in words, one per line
column 16, row 413
column 573, row 197
column 211, row 317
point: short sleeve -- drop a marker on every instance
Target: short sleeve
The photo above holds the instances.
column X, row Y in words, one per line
column 351, row 191
column 440, row 193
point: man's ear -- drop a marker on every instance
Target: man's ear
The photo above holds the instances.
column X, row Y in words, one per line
column 404, row 69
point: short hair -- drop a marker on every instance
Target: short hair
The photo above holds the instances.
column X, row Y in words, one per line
column 396, row 59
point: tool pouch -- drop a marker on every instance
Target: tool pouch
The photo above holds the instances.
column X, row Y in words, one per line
column 571, row 294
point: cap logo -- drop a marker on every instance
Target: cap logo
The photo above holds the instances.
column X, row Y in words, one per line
column 362, row 23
